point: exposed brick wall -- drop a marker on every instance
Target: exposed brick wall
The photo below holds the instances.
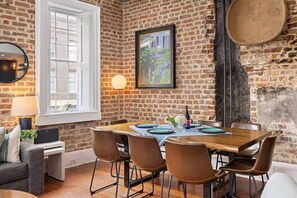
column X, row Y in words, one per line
column 274, row 65
column 269, row 65
column 195, row 75
column 17, row 25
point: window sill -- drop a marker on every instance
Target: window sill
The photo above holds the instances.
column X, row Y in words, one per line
column 71, row 117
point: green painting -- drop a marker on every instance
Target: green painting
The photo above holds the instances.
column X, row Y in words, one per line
column 155, row 64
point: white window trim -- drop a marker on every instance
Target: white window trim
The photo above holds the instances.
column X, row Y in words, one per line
column 42, row 13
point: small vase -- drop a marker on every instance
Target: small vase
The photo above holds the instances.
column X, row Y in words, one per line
column 179, row 128
column 27, row 140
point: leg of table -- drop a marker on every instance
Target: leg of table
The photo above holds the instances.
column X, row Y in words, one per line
column 207, row 191
column 56, row 167
column 232, row 189
column 126, row 165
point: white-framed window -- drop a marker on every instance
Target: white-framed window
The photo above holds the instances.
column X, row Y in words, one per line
column 67, row 61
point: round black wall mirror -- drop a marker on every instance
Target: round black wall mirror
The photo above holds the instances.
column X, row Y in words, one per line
column 14, row 62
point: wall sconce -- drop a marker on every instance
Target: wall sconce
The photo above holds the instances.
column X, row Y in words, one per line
column 119, row 82
column 25, row 106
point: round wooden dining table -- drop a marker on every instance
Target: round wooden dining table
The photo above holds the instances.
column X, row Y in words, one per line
column 15, row 194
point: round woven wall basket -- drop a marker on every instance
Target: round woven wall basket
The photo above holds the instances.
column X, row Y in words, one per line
column 251, row 22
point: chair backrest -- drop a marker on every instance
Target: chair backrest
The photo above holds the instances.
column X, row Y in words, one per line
column 248, row 126
column 265, row 155
column 211, row 123
column 145, row 152
column 104, row 144
column 120, row 139
column 188, row 162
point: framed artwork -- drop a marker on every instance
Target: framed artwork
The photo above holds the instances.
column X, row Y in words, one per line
column 155, row 57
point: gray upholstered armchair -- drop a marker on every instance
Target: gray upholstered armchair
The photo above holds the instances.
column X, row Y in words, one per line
column 28, row 174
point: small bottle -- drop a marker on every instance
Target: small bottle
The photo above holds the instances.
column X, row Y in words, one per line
column 187, row 115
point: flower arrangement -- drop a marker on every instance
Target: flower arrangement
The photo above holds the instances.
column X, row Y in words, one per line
column 179, row 120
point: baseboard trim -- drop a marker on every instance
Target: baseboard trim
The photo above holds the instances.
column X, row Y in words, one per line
column 80, row 157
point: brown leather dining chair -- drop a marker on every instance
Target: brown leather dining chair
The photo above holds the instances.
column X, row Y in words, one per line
column 249, row 152
column 105, row 149
column 211, row 123
column 120, row 140
column 254, row 167
column 190, row 163
column 146, row 155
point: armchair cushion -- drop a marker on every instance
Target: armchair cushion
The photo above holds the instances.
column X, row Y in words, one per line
column 2, row 135
column 280, row 185
column 10, row 148
column 11, row 172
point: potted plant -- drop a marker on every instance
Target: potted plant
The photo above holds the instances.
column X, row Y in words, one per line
column 28, row 135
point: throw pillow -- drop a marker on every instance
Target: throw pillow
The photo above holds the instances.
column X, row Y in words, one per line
column 2, row 135
column 10, row 149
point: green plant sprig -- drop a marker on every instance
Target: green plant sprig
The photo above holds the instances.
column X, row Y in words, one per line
column 28, row 134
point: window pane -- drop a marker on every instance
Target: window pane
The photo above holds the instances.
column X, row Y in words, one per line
column 53, row 35
column 72, row 53
column 74, row 66
column 61, row 37
column 61, row 21
column 73, row 37
column 72, row 22
column 64, row 55
column 53, row 51
column 53, row 102
column 62, row 69
column 62, row 52
column 62, row 102
column 53, row 75
column 73, row 102
column 53, row 19
column 62, row 85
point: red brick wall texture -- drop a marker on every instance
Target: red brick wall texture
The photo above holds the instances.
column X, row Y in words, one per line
column 268, row 65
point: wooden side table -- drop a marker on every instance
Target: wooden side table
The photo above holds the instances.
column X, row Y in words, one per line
column 15, row 194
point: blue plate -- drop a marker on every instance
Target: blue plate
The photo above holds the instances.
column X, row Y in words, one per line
column 160, row 131
column 146, row 125
column 212, row 130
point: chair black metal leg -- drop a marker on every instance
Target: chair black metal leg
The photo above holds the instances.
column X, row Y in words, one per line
column 162, row 184
column 267, row 176
column 255, row 185
column 131, row 179
column 222, row 162
column 221, row 182
column 99, row 189
column 185, row 189
column 153, row 186
column 111, row 169
column 118, row 170
column 218, row 189
column 250, row 186
column 225, row 190
column 169, row 186
column 217, row 162
column 233, row 183
column 262, row 177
